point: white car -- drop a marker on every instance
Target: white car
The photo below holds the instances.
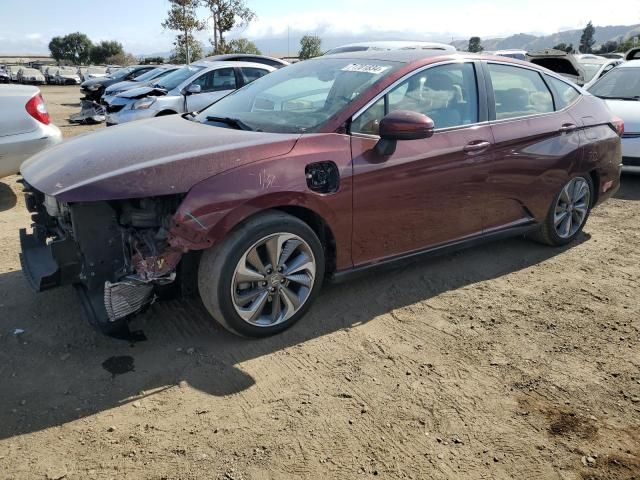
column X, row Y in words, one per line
column 50, row 74
column 595, row 66
column 620, row 88
column 188, row 89
column 391, row 45
column 13, row 72
column 67, row 76
column 94, row 72
column 25, row 126
column 30, row 76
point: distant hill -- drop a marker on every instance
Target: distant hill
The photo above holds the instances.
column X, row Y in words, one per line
column 531, row 42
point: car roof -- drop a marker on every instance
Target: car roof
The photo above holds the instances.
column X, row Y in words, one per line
column 400, row 56
column 215, row 58
column 221, row 64
column 397, row 44
column 629, row 64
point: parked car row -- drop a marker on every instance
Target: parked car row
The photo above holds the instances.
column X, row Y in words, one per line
column 317, row 171
column 53, row 75
column 141, row 91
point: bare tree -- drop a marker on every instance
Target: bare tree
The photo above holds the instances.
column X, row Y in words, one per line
column 182, row 17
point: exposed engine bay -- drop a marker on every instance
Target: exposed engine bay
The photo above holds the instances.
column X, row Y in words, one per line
column 116, row 253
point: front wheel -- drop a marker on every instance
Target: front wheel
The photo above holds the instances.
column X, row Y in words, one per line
column 264, row 276
column 568, row 213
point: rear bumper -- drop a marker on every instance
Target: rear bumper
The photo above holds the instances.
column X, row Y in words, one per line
column 15, row 149
column 631, row 154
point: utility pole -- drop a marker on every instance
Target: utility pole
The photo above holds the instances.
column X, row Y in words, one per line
column 288, row 41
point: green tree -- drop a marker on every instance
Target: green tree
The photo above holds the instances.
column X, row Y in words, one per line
column 103, row 50
column 564, row 47
column 121, row 58
column 475, row 45
column 310, row 47
column 627, row 45
column 57, row 49
column 587, row 40
column 73, row 48
column 179, row 53
column 607, row 47
column 238, row 45
column 182, row 18
column 225, row 15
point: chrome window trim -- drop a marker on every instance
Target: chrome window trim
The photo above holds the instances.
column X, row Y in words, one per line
column 380, row 95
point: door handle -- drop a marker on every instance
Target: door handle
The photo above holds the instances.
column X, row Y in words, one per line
column 476, row 146
column 567, row 127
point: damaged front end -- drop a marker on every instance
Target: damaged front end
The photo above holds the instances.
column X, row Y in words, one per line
column 116, row 253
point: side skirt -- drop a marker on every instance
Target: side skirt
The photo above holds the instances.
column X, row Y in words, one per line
column 395, row 262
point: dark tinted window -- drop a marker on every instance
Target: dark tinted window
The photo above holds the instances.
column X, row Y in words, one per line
column 519, row 92
column 447, row 94
column 140, row 72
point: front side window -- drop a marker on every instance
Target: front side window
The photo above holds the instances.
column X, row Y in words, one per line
column 217, row 80
column 565, row 93
column 447, row 94
column 301, row 97
column 519, row 92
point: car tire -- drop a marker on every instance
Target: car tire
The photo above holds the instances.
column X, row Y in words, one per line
column 568, row 212
column 221, row 282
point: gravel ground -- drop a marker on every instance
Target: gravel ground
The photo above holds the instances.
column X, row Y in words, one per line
column 507, row 361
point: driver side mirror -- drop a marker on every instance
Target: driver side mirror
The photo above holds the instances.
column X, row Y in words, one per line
column 402, row 125
column 192, row 89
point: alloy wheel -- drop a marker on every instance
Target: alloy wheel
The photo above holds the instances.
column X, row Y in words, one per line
column 273, row 279
column 572, row 207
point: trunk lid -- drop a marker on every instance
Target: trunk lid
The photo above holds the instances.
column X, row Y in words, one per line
column 560, row 62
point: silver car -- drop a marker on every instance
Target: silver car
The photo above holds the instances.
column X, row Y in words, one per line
column 188, row 89
column 596, row 66
column 31, row 76
column 25, row 126
column 620, row 88
column 391, row 45
column 13, row 72
column 149, row 78
column 67, row 76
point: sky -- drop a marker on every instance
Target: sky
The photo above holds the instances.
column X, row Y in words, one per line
column 26, row 26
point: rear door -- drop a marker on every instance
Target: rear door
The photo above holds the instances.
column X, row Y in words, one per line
column 536, row 144
column 214, row 84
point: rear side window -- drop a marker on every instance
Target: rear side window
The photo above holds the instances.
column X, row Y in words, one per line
column 250, row 74
column 519, row 92
column 565, row 94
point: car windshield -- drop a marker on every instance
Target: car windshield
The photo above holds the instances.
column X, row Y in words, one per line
column 151, row 74
column 590, row 70
column 120, row 73
column 176, row 77
column 298, row 98
column 620, row 83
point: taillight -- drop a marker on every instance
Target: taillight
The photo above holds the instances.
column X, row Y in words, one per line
column 618, row 125
column 37, row 109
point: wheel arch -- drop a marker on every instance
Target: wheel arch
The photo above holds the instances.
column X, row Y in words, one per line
column 166, row 111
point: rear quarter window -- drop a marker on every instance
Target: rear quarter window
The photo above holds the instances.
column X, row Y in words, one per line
column 564, row 93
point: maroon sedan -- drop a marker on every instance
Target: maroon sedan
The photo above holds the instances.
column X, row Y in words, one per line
column 318, row 170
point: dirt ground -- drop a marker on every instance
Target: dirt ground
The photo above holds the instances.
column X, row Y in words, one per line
column 506, row 361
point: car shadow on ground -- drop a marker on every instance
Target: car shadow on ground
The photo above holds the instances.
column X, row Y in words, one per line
column 629, row 188
column 8, row 198
column 52, row 364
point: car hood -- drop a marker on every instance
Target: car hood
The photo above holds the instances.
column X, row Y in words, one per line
column 627, row 110
column 159, row 156
column 120, row 86
column 143, row 91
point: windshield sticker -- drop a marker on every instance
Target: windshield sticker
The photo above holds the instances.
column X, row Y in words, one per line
column 360, row 67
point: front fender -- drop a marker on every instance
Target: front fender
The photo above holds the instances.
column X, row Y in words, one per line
column 214, row 207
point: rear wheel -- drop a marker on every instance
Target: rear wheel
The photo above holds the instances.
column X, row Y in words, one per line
column 568, row 213
column 263, row 277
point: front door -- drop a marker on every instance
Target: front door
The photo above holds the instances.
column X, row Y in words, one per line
column 424, row 194
column 214, row 84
